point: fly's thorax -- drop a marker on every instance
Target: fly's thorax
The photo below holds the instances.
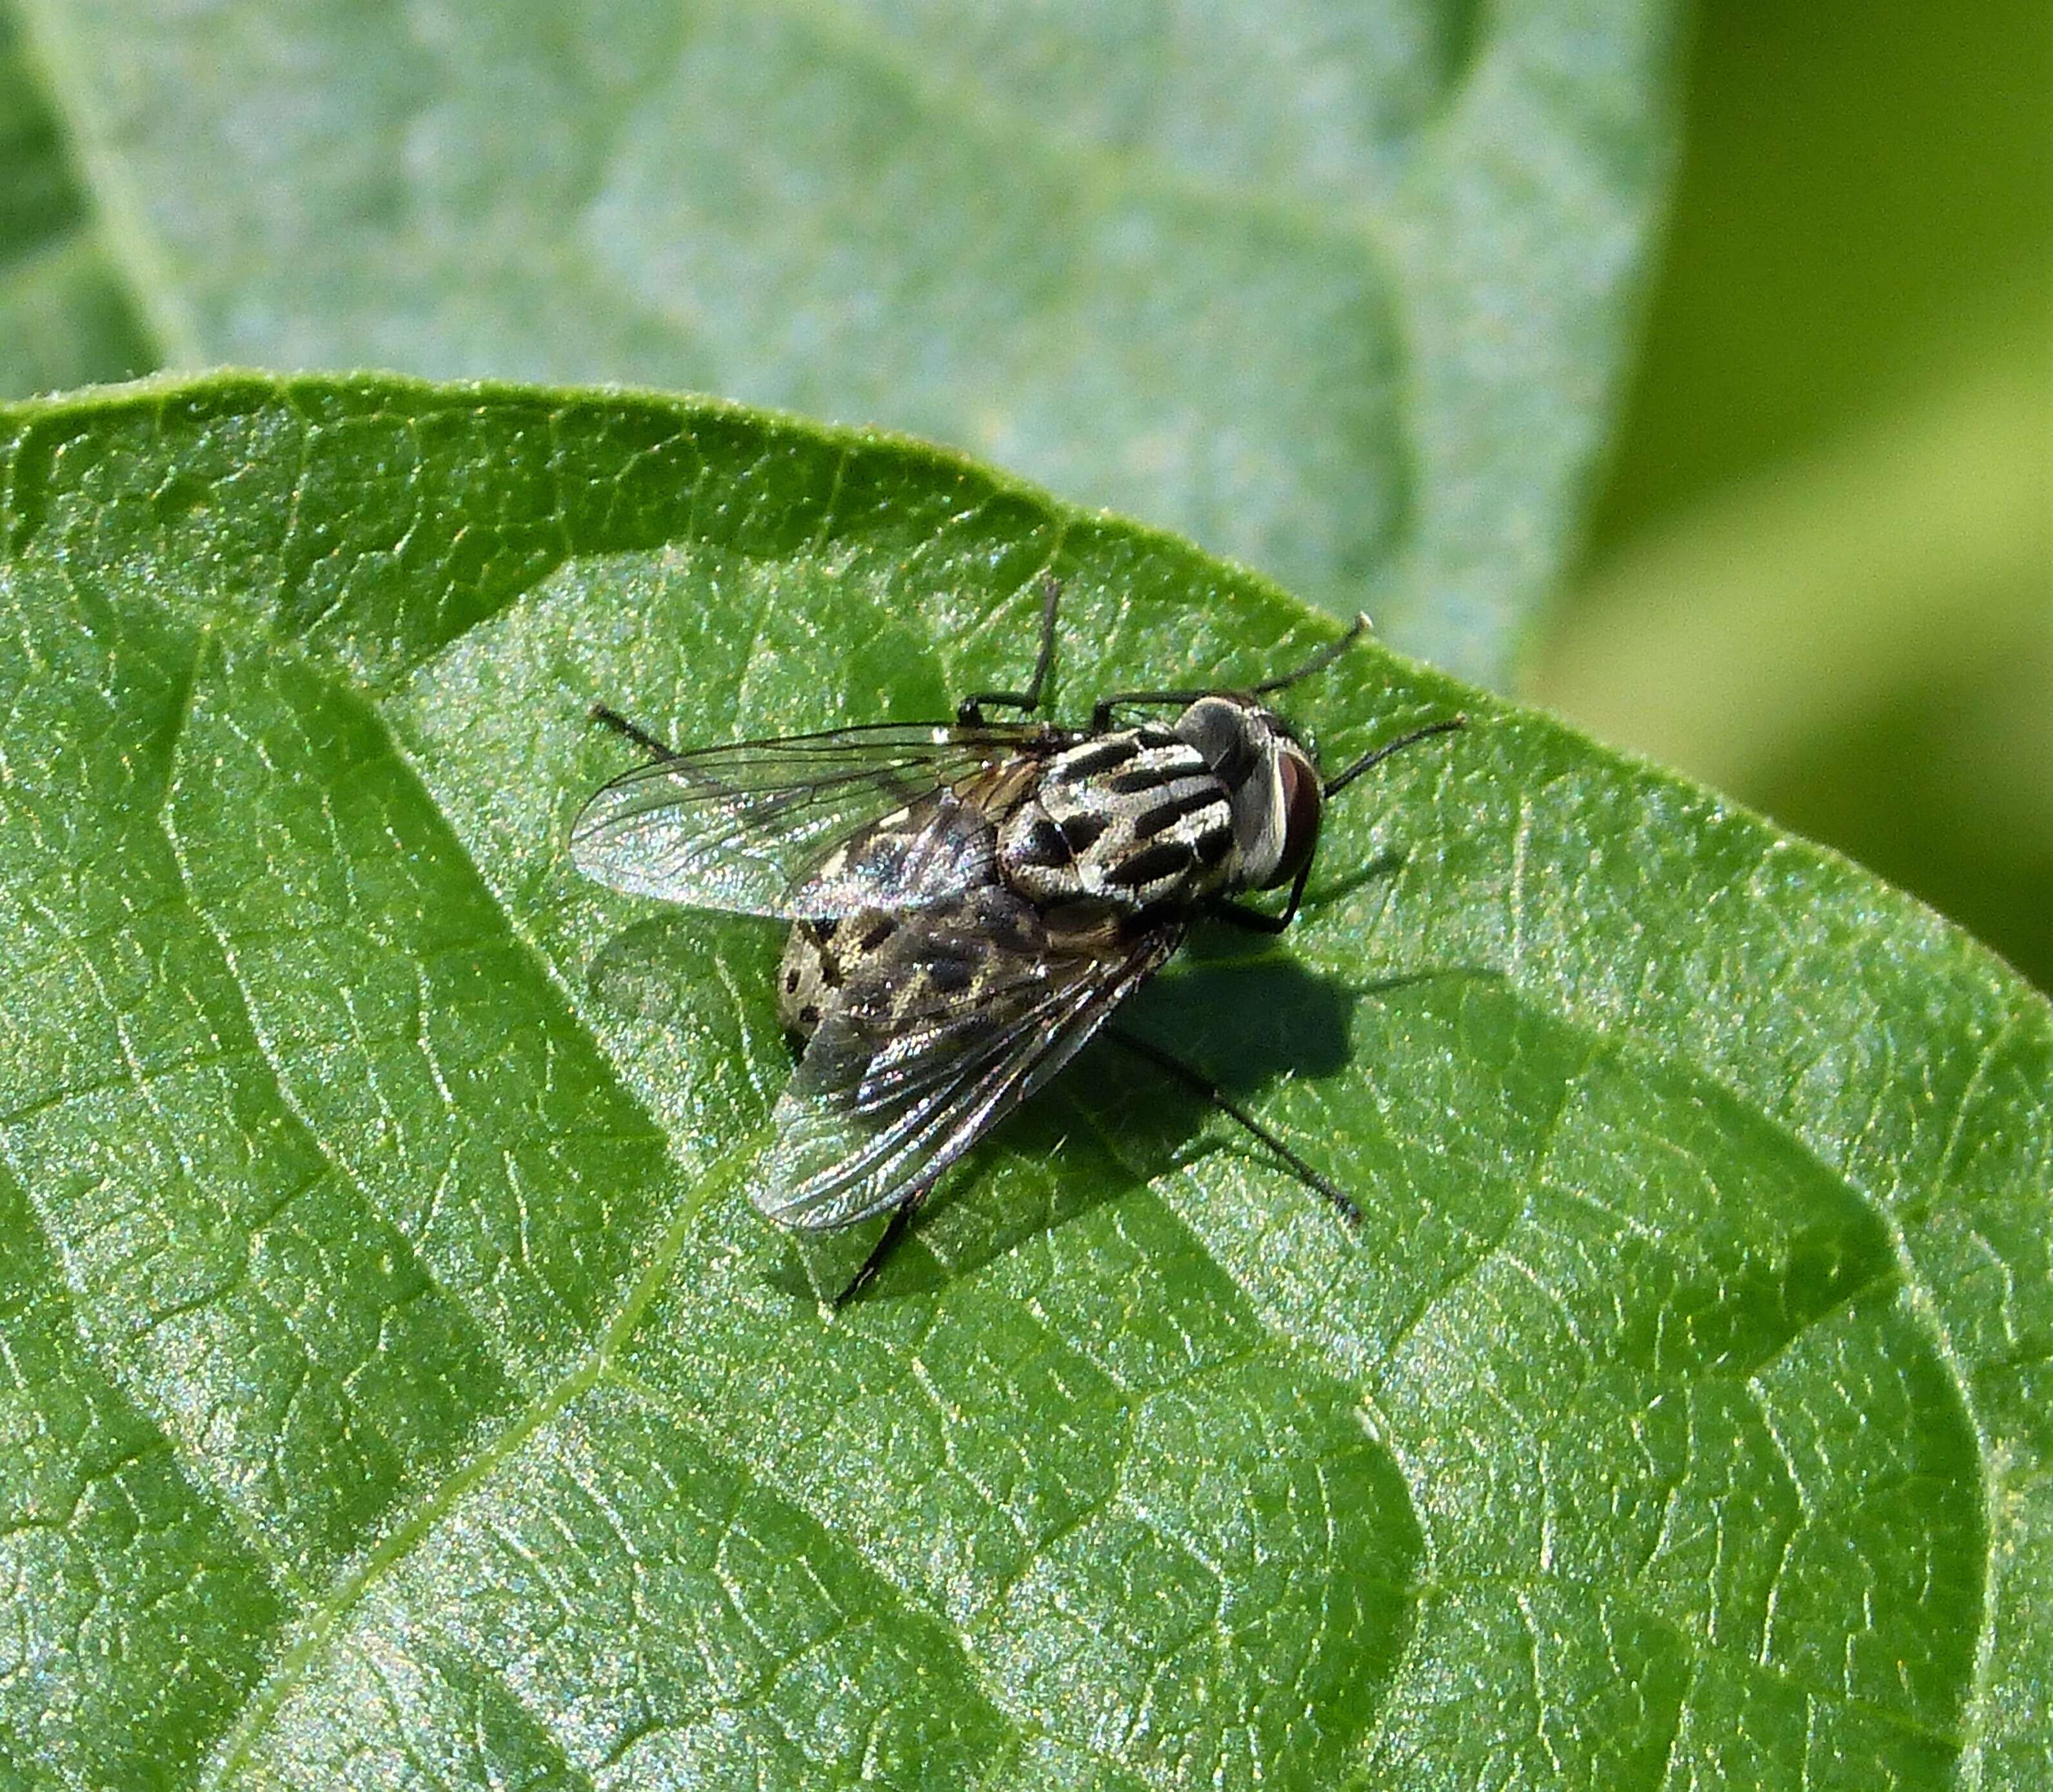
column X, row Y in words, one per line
column 1271, row 779
column 819, row 958
column 1131, row 820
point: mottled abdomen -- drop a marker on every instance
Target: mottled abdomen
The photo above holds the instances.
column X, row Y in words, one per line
column 1135, row 820
column 818, row 959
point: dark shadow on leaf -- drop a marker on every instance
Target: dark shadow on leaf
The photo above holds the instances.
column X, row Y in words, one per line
column 1385, row 864
column 1237, row 1007
column 1215, row 941
column 1234, row 1005
column 1245, row 1025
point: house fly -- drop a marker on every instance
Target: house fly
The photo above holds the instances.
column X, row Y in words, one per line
column 970, row 903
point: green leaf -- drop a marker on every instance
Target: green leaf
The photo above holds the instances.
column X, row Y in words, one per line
column 399, row 1388
column 1343, row 292
column 65, row 318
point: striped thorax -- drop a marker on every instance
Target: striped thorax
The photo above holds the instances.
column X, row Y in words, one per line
column 1148, row 818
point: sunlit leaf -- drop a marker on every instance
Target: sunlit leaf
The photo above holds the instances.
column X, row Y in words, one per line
column 399, row 1388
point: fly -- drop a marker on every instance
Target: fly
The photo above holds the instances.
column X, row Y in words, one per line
column 970, row 904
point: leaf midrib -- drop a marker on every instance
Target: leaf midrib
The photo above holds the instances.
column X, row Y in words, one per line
column 319, row 1623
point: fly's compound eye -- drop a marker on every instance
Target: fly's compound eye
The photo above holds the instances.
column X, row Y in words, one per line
column 1303, row 804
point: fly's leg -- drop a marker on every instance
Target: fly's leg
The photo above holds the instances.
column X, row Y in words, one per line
column 969, row 712
column 1251, row 919
column 1260, row 921
column 903, row 1215
column 1101, row 711
column 889, row 1240
column 1198, row 1083
column 641, row 736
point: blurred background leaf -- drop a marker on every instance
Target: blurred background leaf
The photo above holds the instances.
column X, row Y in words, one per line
column 66, row 314
column 1343, row 291
column 1821, row 576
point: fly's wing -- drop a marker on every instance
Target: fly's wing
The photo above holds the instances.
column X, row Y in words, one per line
column 937, row 1035
column 760, row 827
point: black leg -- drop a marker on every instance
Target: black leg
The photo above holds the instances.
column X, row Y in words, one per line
column 1260, row 921
column 888, row 1241
column 1319, row 661
column 969, row 712
column 1101, row 716
column 641, row 736
column 1200, row 1083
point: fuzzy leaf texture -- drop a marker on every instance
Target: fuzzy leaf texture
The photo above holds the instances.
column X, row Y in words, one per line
column 1343, row 290
column 397, row 1387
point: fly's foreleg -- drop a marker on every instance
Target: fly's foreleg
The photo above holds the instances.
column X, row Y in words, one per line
column 969, row 712
column 641, row 736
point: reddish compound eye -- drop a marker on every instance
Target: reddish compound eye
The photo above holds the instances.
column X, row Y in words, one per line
column 1303, row 801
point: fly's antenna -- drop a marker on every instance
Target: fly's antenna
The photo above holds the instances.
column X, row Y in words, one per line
column 1101, row 715
column 1320, row 661
column 1375, row 755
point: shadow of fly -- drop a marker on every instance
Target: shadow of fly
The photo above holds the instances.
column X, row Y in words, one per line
column 970, row 903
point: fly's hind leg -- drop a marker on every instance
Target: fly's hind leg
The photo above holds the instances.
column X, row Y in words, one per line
column 889, row 1240
column 641, row 736
column 1199, row 1084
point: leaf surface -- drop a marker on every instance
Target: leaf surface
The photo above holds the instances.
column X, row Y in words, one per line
column 1342, row 291
column 399, row 1390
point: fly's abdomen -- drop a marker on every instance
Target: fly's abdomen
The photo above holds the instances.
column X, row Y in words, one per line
column 819, row 958
column 1136, row 819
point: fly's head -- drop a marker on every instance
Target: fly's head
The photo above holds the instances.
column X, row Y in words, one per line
column 1273, row 785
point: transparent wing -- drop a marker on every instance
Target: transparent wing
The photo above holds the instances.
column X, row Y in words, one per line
column 754, row 827
column 962, row 1013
